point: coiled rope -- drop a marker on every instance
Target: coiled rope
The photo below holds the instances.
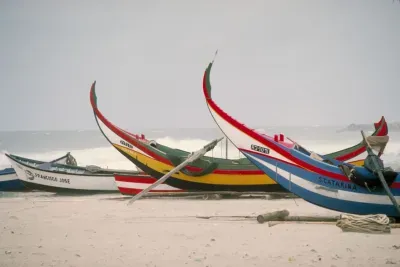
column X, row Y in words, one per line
column 378, row 223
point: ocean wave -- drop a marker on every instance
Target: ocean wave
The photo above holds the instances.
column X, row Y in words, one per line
column 108, row 156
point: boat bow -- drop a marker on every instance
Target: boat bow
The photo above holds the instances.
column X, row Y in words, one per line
column 251, row 143
column 330, row 185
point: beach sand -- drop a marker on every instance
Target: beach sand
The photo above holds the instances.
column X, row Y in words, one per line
column 48, row 230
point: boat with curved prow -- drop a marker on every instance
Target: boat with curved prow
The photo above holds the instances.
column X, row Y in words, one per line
column 335, row 185
column 62, row 178
column 206, row 173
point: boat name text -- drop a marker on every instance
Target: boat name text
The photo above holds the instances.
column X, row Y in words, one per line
column 338, row 184
column 32, row 176
column 260, row 149
column 126, row 144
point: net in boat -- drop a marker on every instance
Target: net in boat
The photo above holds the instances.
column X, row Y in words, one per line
column 378, row 143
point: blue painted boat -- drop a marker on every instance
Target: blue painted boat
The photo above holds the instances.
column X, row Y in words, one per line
column 9, row 180
column 334, row 185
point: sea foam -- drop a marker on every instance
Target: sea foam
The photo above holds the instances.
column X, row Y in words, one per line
column 109, row 157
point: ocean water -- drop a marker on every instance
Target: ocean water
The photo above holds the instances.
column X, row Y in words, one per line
column 89, row 147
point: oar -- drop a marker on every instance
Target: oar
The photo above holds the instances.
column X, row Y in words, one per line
column 192, row 157
column 380, row 175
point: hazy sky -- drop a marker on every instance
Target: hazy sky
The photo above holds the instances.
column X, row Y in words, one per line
column 279, row 62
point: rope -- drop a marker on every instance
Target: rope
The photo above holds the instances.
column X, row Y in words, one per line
column 378, row 223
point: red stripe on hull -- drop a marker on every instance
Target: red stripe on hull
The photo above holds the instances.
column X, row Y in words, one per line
column 121, row 133
column 133, row 191
column 272, row 145
column 244, row 129
column 395, row 185
column 129, row 137
column 135, row 179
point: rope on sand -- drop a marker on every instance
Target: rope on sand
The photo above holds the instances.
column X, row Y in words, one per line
column 377, row 223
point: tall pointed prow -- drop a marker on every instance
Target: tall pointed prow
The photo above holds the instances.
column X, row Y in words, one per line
column 354, row 155
column 192, row 157
column 208, row 173
column 335, row 184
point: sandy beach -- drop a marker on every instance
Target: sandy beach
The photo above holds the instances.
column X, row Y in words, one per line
column 48, row 230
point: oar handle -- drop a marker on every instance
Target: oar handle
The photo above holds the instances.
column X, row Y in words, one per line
column 365, row 139
column 368, row 145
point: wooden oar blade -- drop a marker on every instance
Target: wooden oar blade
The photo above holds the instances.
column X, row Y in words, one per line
column 192, row 157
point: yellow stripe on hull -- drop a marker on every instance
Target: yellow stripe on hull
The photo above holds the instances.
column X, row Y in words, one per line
column 212, row 178
column 358, row 163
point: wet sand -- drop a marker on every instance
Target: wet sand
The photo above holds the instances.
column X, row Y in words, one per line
column 48, row 230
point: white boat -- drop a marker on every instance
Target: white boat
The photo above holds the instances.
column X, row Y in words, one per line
column 60, row 178
column 9, row 179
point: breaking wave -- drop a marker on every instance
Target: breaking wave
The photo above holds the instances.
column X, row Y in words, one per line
column 107, row 156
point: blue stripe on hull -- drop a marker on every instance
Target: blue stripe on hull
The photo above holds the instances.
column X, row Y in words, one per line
column 324, row 201
column 306, row 158
column 314, row 177
column 316, row 163
column 12, row 185
column 7, row 171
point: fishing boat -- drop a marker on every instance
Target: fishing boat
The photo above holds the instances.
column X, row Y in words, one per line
column 9, row 180
column 62, row 178
column 133, row 184
column 206, row 173
column 333, row 184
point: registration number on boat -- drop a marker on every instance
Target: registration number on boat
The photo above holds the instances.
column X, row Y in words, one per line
column 260, row 149
column 126, row 144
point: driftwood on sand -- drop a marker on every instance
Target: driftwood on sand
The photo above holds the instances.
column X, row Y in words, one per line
column 273, row 216
column 283, row 215
column 378, row 223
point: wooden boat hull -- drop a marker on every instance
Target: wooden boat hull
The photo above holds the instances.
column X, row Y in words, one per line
column 256, row 181
column 50, row 181
column 9, row 181
column 240, row 177
column 218, row 182
column 323, row 191
column 315, row 181
column 134, row 184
